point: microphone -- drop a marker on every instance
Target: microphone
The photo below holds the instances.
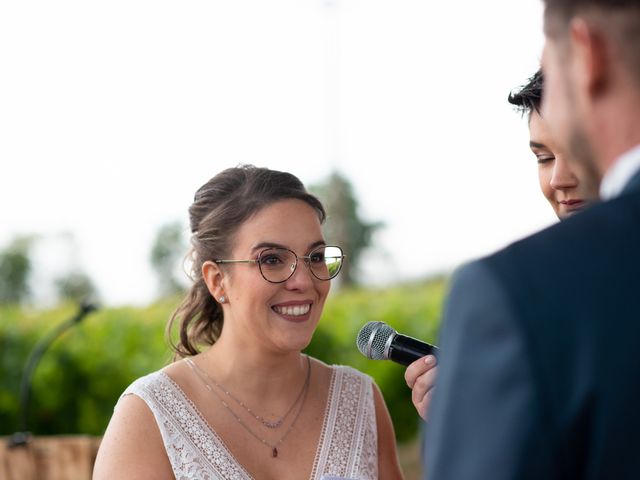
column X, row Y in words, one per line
column 378, row 341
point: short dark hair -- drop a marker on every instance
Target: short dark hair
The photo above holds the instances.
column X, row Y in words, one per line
column 619, row 18
column 529, row 97
column 569, row 8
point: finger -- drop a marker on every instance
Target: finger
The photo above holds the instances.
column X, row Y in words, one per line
column 423, row 385
column 423, row 410
column 413, row 371
column 426, row 381
column 417, row 394
column 418, row 368
column 422, row 407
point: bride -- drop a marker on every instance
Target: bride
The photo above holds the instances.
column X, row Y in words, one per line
column 243, row 402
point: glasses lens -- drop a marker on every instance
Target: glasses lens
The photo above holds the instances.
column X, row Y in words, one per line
column 276, row 264
column 326, row 262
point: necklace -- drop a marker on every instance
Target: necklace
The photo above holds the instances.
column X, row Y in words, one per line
column 269, row 424
column 274, row 446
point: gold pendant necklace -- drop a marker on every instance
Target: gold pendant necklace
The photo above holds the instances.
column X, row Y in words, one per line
column 274, row 447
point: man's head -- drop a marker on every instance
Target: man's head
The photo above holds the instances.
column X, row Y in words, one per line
column 561, row 187
column 592, row 80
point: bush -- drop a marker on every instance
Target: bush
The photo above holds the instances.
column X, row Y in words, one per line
column 80, row 378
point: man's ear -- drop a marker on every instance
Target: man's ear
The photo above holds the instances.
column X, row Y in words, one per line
column 213, row 277
column 590, row 57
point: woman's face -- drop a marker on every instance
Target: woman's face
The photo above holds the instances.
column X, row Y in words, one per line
column 278, row 316
column 558, row 182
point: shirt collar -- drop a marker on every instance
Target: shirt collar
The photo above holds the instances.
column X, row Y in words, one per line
column 617, row 177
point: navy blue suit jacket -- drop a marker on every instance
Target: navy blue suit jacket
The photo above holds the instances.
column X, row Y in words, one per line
column 539, row 374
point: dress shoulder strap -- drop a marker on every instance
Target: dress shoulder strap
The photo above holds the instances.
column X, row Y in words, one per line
column 349, row 440
column 194, row 449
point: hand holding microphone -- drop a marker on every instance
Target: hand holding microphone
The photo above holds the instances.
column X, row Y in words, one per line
column 378, row 341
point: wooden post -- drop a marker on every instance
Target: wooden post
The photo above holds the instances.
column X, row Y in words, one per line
column 64, row 457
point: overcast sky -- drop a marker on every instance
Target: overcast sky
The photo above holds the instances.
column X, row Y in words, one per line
column 113, row 113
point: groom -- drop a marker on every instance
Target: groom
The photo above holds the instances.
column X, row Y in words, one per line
column 539, row 374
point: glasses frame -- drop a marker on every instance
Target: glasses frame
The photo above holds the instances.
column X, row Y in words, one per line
column 305, row 258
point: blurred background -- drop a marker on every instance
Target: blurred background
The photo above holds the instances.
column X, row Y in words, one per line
column 112, row 114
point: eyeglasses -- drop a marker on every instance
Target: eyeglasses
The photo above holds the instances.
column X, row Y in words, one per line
column 277, row 265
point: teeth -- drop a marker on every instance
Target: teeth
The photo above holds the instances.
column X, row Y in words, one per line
column 294, row 311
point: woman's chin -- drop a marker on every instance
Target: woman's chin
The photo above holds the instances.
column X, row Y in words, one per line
column 294, row 343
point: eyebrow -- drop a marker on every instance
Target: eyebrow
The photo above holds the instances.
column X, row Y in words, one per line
column 263, row 245
column 537, row 145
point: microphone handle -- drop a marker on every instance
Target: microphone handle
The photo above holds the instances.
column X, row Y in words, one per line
column 406, row 350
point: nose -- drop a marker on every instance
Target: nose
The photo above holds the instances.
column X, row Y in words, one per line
column 562, row 177
column 302, row 277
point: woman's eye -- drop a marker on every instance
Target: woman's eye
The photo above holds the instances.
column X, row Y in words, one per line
column 317, row 258
column 542, row 159
column 270, row 260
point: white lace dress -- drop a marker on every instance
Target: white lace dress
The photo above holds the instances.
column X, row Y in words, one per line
column 348, row 446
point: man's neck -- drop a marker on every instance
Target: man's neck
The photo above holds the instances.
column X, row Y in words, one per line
column 620, row 173
column 617, row 132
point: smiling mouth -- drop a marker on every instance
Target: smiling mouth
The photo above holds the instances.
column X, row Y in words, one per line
column 573, row 205
column 293, row 310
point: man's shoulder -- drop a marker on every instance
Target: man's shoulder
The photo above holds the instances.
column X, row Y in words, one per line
column 601, row 226
column 593, row 240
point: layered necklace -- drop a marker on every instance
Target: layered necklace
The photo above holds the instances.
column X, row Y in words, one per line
column 300, row 399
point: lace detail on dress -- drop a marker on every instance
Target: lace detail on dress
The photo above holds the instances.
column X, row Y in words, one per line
column 194, row 449
column 348, row 445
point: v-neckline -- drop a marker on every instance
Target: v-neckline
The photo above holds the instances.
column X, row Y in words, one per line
column 227, row 450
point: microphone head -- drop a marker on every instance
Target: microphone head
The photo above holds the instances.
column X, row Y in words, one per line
column 373, row 338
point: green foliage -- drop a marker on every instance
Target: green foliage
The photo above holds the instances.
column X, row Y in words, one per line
column 82, row 375
column 15, row 266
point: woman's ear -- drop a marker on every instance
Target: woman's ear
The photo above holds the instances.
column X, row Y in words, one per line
column 213, row 277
